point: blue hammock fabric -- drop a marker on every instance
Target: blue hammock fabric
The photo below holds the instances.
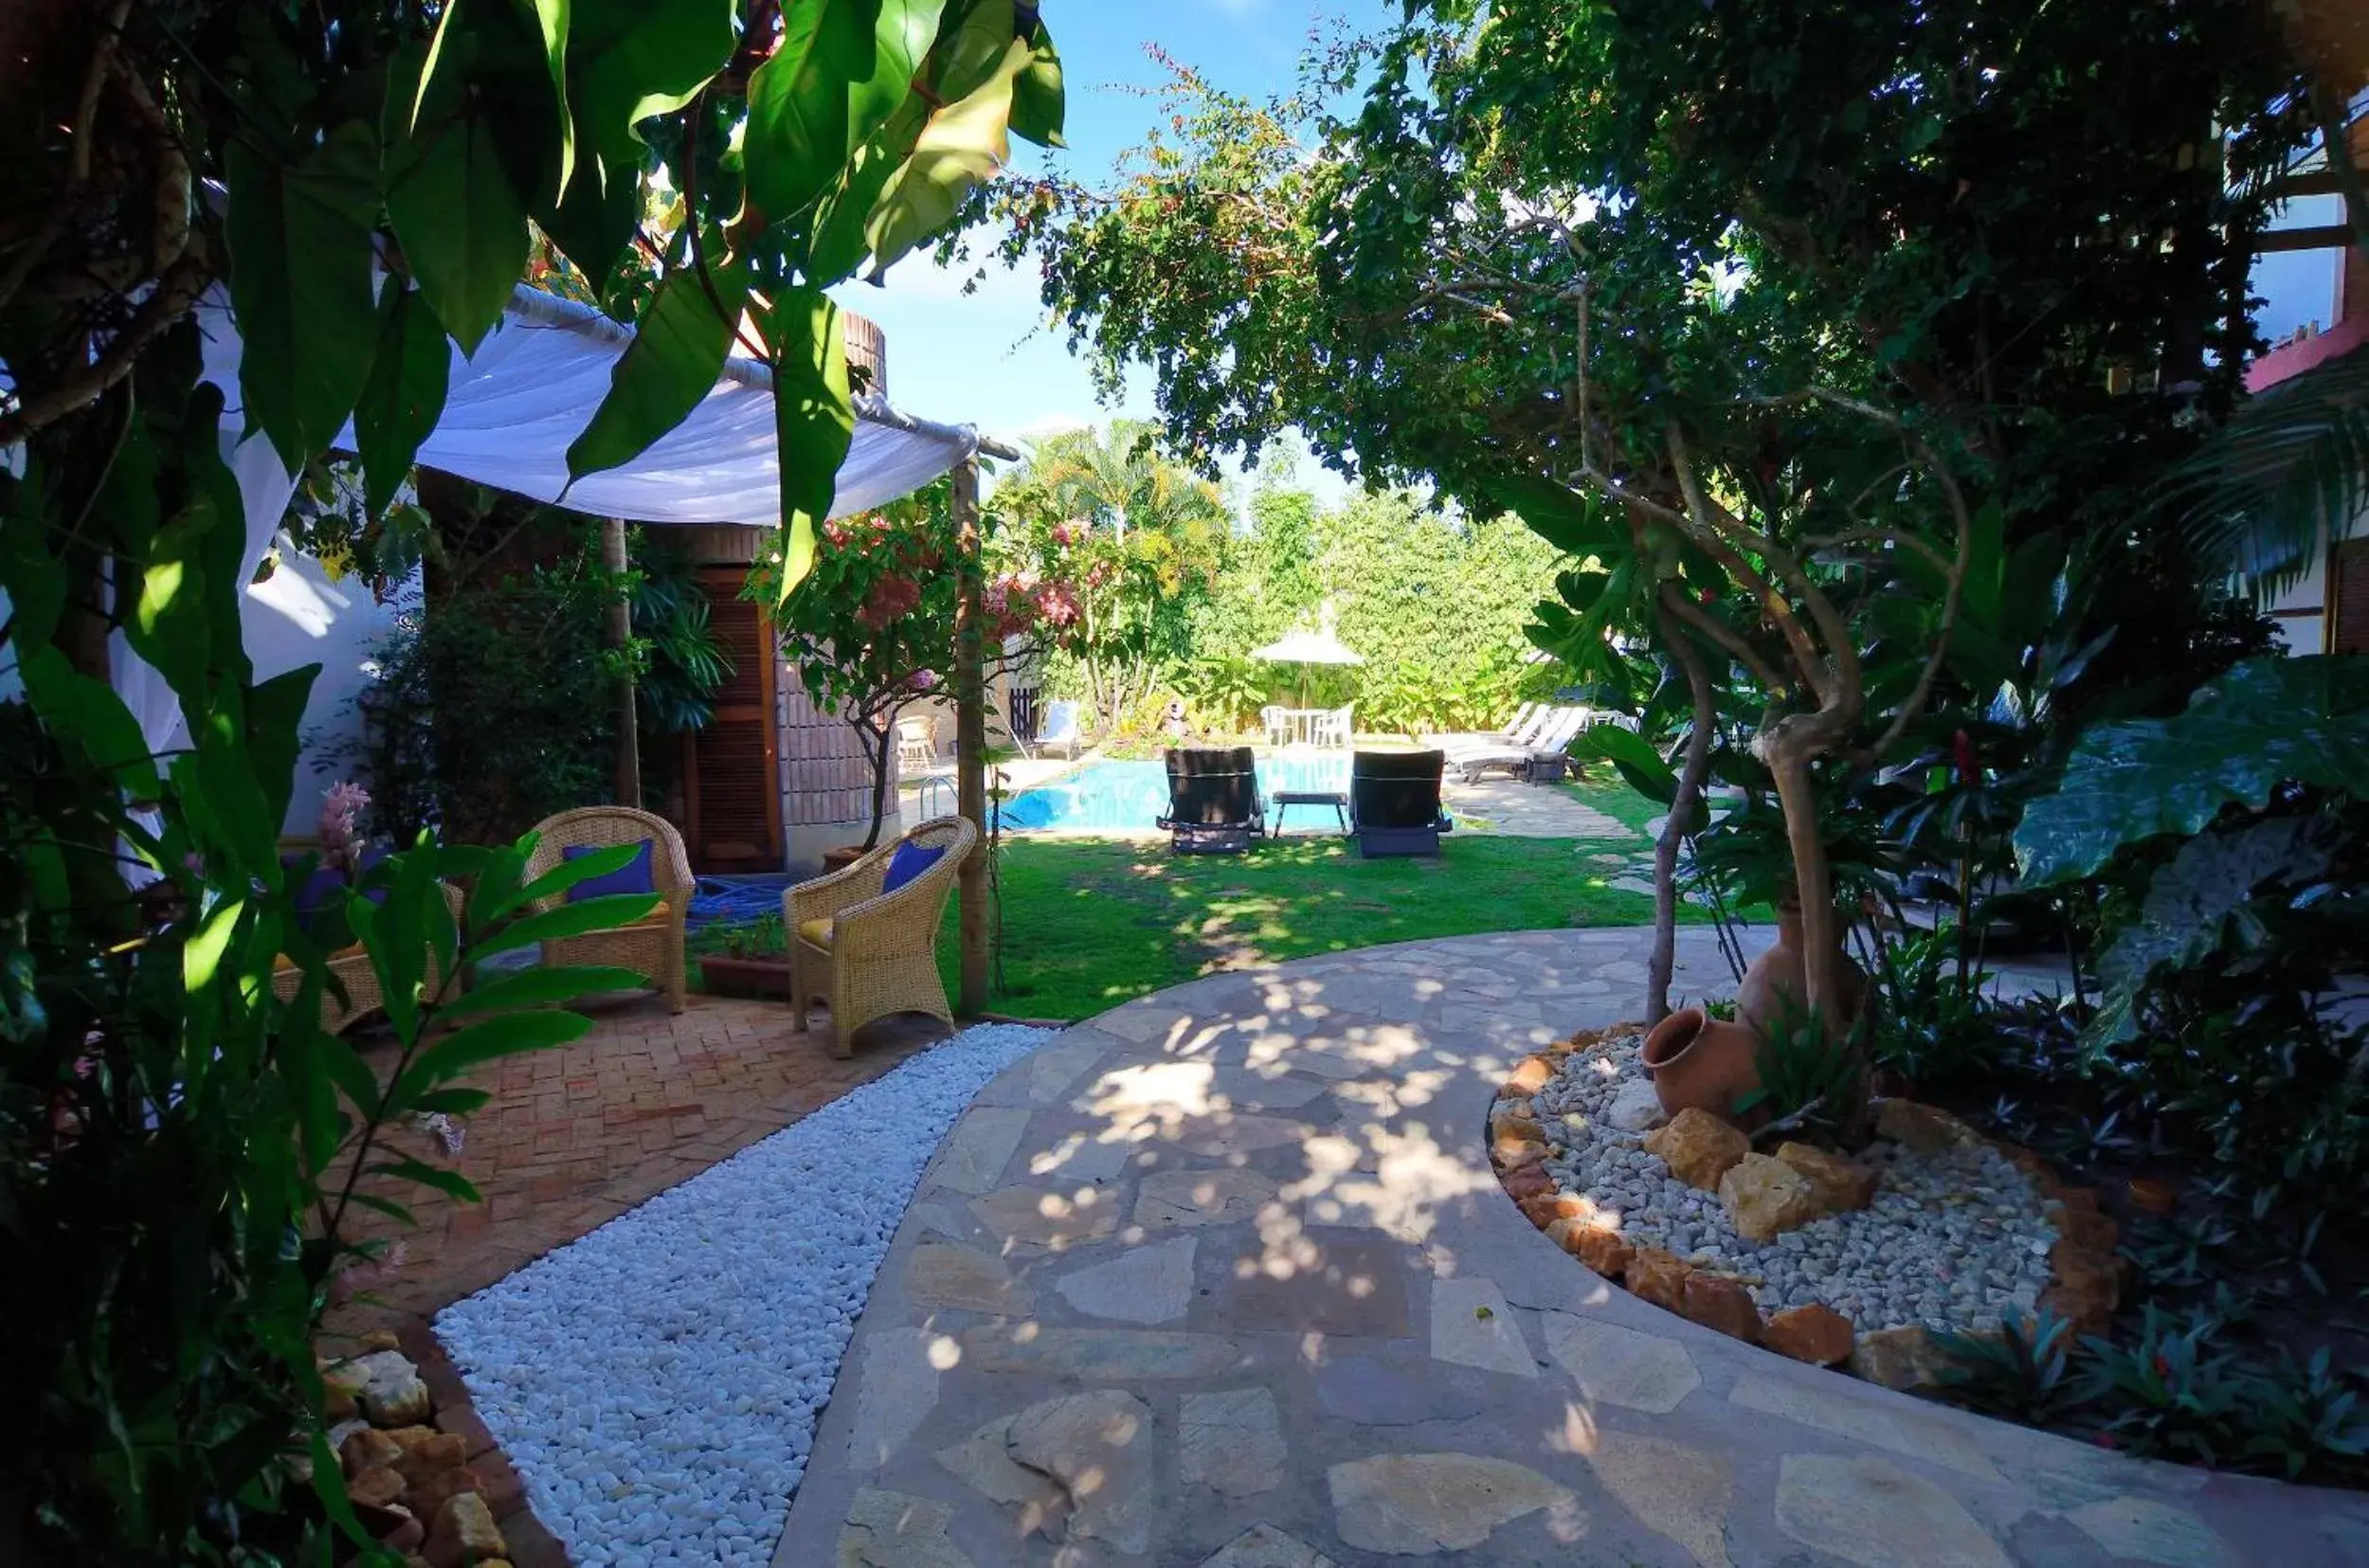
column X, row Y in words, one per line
column 737, row 899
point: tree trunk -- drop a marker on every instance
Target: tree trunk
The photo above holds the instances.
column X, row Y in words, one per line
column 620, row 634
column 970, row 738
column 1814, row 881
column 876, row 739
column 1683, row 806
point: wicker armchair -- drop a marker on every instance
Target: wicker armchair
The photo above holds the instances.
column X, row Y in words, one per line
column 868, row 954
column 653, row 945
column 350, row 967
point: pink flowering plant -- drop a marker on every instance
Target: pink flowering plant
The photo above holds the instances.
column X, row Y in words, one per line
column 871, row 629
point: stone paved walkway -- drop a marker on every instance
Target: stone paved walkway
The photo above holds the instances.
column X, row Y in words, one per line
column 1222, row 1279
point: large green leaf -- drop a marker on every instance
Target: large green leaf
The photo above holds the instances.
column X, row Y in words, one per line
column 1636, row 759
column 542, row 987
column 1039, row 102
column 1572, row 523
column 451, row 198
column 2290, row 468
column 86, row 712
column 608, row 859
column 836, row 242
column 404, row 395
column 550, row 23
column 843, row 68
column 814, row 416
column 2269, row 721
column 678, row 352
column 964, row 143
column 627, row 60
column 605, row 913
column 300, row 256
column 506, row 1035
column 275, row 720
column 2200, row 901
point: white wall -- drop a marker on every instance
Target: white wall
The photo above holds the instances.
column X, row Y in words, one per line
column 2304, row 623
column 300, row 617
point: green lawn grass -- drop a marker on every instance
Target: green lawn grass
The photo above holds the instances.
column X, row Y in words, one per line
column 1089, row 923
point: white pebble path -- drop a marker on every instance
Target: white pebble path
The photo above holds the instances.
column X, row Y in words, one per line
column 657, row 1383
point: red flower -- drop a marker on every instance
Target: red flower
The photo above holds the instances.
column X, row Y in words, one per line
column 1967, row 772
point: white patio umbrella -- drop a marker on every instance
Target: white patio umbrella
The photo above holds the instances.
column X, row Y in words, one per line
column 1304, row 648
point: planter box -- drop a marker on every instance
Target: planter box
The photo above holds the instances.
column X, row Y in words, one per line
column 724, row 975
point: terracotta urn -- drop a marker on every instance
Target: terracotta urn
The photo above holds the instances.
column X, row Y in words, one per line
column 2153, row 1195
column 1703, row 1062
column 1778, row 977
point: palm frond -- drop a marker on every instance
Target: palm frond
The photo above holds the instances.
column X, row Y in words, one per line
column 2291, row 463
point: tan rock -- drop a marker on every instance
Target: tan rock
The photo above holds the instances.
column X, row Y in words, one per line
column 1898, row 1358
column 464, row 1533
column 1513, row 1151
column 379, row 1339
column 338, row 1403
column 1698, row 1147
column 1598, row 1248
column 1532, row 1075
column 1539, row 1209
column 368, row 1449
column 1921, row 1127
column 429, row 1495
column 1717, row 1302
column 1585, row 1209
column 1529, row 1182
column 1842, row 1184
column 2087, row 1287
column 1520, row 1115
column 2088, row 1229
column 2079, row 1197
column 1659, row 1277
column 2036, row 1170
column 1816, row 1334
column 432, row 1453
column 1764, row 1196
column 378, row 1486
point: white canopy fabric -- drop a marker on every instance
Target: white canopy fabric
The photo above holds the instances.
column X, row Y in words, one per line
column 1307, row 647
column 515, row 407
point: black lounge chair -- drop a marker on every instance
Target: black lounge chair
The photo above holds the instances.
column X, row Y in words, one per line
column 1394, row 803
column 1214, row 806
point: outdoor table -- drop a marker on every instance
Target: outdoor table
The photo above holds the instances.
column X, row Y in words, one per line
column 1333, row 798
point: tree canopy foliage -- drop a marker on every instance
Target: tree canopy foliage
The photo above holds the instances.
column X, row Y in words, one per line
column 1799, row 328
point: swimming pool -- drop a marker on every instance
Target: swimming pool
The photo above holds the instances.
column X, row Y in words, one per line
column 1129, row 797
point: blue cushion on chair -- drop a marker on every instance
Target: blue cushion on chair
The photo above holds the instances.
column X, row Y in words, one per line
column 633, row 876
column 908, row 861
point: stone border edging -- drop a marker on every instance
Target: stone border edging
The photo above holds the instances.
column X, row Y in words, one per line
column 2084, row 1270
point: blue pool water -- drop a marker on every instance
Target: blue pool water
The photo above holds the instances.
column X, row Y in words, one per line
column 1122, row 797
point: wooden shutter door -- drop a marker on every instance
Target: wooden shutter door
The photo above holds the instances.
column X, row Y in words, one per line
column 2349, row 598
column 732, row 787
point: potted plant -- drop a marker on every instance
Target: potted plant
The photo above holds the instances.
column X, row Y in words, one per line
column 754, row 963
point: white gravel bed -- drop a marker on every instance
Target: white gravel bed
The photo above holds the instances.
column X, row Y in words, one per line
column 1955, row 1239
column 657, row 1383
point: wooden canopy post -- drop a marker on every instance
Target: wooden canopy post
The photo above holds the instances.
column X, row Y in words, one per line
column 619, row 635
column 971, row 735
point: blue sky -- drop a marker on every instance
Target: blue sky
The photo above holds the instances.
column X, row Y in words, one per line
column 986, row 358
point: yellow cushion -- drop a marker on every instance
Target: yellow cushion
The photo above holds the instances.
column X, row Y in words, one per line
column 816, row 931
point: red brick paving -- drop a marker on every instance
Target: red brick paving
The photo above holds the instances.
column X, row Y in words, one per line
column 575, row 1136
